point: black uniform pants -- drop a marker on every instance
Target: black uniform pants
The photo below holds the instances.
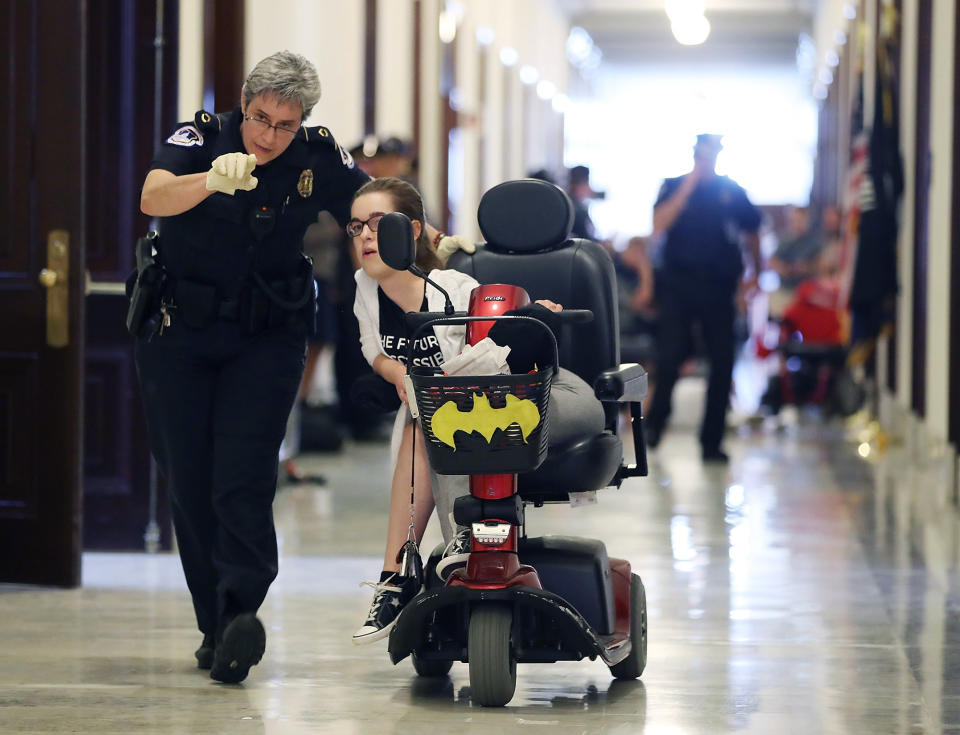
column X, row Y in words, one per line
column 217, row 403
column 685, row 300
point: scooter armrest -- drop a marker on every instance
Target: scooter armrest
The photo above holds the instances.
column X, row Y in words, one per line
column 624, row 384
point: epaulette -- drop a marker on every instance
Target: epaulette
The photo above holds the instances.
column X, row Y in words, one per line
column 207, row 122
column 317, row 134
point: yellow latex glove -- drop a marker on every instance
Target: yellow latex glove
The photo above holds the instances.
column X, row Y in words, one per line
column 232, row 171
column 449, row 244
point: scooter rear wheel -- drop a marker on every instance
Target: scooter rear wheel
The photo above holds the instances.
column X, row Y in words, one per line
column 636, row 661
column 430, row 667
column 493, row 666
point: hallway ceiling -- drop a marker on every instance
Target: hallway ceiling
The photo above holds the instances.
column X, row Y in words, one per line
column 742, row 31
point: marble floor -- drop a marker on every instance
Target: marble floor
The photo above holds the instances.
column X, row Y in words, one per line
column 802, row 589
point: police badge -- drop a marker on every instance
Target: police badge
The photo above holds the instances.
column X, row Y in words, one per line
column 305, row 184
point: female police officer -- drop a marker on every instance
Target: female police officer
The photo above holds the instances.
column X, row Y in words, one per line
column 220, row 363
column 220, row 356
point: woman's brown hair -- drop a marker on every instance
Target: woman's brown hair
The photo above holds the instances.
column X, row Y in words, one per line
column 407, row 200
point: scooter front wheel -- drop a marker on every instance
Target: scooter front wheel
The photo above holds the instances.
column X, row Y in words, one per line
column 493, row 666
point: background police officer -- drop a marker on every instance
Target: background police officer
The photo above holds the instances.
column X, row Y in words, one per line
column 219, row 368
column 703, row 217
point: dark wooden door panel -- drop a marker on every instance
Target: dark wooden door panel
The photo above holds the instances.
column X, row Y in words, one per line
column 120, row 496
column 40, row 400
column 120, row 503
column 19, row 391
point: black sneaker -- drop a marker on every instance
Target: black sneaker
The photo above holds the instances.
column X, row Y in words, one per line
column 389, row 598
column 456, row 554
column 242, row 645
column 204, row 654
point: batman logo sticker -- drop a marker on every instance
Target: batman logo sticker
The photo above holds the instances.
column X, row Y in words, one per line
column 484, row 418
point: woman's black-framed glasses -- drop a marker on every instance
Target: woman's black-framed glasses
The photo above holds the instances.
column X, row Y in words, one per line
column 355, row 226
column 262, row 125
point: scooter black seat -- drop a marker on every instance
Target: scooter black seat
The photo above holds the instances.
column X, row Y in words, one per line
column 580, row 465
column 537, row 253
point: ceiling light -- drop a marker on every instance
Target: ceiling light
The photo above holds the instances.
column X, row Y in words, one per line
column 691, row 31
column 529, row 74
column 546, row 90
column 579, row 45
column 509, row 56
column 485, row 35
column 560, row 103
column 447, row 26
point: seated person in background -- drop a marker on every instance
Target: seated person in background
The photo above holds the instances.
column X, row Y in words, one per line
column 383, row 297
column 815, row 311
column 813, row 330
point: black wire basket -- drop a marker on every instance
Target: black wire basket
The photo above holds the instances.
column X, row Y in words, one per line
column 485, row 424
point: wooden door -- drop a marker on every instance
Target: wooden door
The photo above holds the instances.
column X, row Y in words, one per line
column 41, row 327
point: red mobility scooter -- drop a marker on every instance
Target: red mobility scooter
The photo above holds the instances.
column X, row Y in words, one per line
column 521, row 599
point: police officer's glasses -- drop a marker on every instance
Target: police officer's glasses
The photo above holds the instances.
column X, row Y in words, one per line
column 355, row 226
column 263, row 126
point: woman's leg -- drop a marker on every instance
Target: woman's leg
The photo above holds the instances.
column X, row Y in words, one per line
column 399, row 520
column 393, row 591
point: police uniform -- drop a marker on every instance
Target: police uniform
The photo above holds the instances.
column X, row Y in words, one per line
column 700, row 268
column 220, row 374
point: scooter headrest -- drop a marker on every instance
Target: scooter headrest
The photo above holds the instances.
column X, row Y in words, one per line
column 526, row 215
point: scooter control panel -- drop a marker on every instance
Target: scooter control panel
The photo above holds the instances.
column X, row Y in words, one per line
column 491, row 533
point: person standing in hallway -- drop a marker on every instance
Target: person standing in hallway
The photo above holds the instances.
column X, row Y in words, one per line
column 703, row 217
column 580, row 191
column 219, row 368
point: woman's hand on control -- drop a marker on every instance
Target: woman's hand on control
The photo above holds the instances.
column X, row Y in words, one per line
column 396, row 371
column 553, row 306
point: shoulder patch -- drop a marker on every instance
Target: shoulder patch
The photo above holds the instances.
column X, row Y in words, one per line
column 345, row 157
column 187, row 136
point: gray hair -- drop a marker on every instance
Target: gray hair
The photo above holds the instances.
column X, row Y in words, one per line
column 289, row 76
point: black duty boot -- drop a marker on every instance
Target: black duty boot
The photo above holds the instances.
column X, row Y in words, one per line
column 241, row 646
column 715, row 455
column 204, row 654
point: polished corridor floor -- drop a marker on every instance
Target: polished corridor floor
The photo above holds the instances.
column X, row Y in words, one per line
column 802, row 589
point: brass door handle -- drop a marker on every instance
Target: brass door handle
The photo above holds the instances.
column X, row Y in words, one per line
column 102, row 288
column 55, row 278
column 48, row 278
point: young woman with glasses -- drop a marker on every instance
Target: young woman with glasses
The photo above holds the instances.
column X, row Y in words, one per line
column 383, row 297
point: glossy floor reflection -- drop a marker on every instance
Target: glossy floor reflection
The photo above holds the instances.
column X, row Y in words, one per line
column 802, row 589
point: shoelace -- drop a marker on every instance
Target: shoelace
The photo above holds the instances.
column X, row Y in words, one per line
column 460, row 542
column 380, row 594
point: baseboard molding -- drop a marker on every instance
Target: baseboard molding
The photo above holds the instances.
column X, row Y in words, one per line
column 936, row 456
